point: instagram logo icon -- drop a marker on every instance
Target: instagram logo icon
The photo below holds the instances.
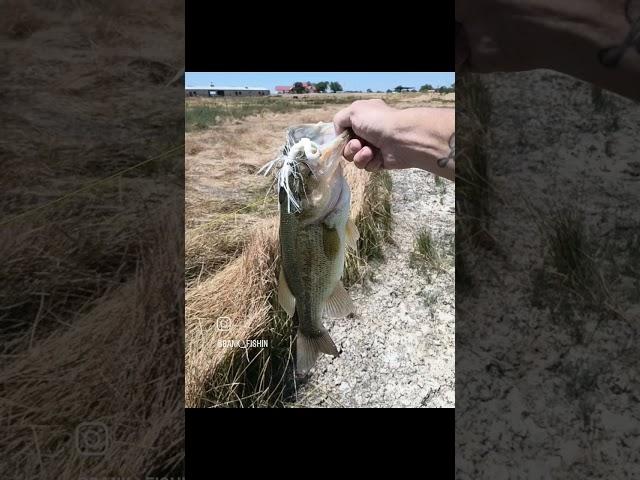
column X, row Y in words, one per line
column 92, row 438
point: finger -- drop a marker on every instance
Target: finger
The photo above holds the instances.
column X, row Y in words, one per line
column 351, row 148
column 375, row 164
column 342, row 120
column 363, row 157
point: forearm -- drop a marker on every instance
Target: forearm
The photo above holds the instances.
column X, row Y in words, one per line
column 425, row 136
column 608, row 52
column 595, row 40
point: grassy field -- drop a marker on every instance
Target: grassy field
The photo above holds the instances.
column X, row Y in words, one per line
column 231, row 241
column 202, row 113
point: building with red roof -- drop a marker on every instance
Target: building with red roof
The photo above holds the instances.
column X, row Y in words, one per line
column 308, row 86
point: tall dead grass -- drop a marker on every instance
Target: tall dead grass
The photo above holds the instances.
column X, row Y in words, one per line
column 218, row 376
column 210, row 246
column 372, row 215
column 91, row 307
column 117, row 364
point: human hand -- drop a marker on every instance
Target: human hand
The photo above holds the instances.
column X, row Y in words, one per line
column 374, row 123
column 390, row 138
column 517, row 35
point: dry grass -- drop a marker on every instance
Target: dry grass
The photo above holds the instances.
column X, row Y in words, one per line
column 371, row 209
column 84, row 371
column 213, row 244
column 217, row 376
column 20, row 20
column 473, row 184
column 91, row 305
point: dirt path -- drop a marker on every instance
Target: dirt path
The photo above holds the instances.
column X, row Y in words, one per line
column 398, row 350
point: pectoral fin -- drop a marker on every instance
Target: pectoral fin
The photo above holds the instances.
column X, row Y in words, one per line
column 352, row 234
column 339, row 304
column 285, row 297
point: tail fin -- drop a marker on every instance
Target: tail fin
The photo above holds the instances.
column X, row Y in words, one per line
column 308, row 348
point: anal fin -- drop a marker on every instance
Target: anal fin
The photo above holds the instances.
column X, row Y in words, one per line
column 339, row 303
column 285, row 298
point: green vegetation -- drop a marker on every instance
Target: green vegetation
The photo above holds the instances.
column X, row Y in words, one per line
column 425, row 246
column 571, row 282
column 429, row 298
column 205, row 113
column 428, row 253
column 298, row 87
column 335, row 87
column 567, row 246
column 321, row 87
column 598, row 99
column 428, row 87
column 444, row 89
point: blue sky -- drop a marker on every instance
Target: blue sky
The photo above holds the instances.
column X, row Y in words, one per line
column 349, row 81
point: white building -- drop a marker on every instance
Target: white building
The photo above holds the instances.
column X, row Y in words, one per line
column 220, row 91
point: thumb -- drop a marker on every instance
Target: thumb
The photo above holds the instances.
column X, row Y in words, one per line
column 342, row 120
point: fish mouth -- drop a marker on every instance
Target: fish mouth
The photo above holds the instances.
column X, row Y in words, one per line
column 323, row 151
column 331, row 154
column 329, row 144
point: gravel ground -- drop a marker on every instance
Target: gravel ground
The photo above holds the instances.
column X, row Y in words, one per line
column 398, row 350
column 549, row 389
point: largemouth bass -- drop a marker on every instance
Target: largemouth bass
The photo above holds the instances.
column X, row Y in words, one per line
column 315, row 229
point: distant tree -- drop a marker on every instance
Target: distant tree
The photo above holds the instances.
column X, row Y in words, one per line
column 426, row 87
column 335, row 87
column 369, row 90
column 413, row 89
column 321, row 87
column 298, row 88
column 398, row 88
column 444, row 89
column 389, row 90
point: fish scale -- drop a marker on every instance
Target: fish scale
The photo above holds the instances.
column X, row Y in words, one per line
column 309, row 273
column 313, row 236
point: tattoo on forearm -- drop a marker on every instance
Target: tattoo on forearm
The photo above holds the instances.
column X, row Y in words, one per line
column 611, row 56
column 443, row 162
